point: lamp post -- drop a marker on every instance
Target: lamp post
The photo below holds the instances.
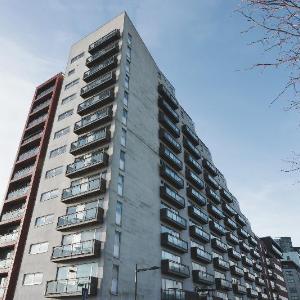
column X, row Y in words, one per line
column 137, row 270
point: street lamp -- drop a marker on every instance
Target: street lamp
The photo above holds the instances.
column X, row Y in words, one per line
column 137, row 270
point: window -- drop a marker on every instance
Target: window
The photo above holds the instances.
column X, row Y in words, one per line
column 65, row 114
column 44, row 220
column 127, row 66
column 49, row 195
column 126, row 83
column 123, row 137
column 170, row 284
column 124, row 116
column 117, row 244
column 120, row 185
column 68, row 99
column 128, row 53
column 71, row 72
column 119, row 208
column 39, row 248
column 129, row 39
column 77, row 57
column 72, row 83
column 33, row 278
column 122, row 160
column 125, row 99
column 115, row 277
column 61, row 132
column 54, row 172
column 58, row 151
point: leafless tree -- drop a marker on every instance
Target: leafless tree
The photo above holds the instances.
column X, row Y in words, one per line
column 278, row 24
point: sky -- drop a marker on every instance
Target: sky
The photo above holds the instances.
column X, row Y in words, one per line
column 200, row 48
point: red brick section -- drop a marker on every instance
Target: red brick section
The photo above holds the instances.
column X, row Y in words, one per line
column 29, row 199
column 271, row 256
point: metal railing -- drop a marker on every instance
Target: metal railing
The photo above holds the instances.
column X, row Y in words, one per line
column 18, row 193
column 28, row 154
column 23, row 172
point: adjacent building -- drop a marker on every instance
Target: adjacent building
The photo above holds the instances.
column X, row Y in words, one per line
column 125, row 180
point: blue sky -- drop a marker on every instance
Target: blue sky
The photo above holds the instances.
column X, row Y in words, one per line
column 199, row 46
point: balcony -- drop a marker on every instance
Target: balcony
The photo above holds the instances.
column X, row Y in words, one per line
column 242, row 233
column 252, row 241
column 28, row 154
column 191, row 148
column 257, row 267
column 71, row 287
column 255, row 253
column 232, row 238
column 170, row 157
column 227, row 195
column 210, row 167
column 259, row 281
column 228, row 210
column 8, row 239
column 44, row 93
column 5, row 264
column 82, row 165
column 217, row 228
column 168, row 139
column 211, row 181
column 190, row 134
column 41, row 107
column 92, row 187
column 239, row 289
column 104, row 41
column 98, row 84
column 213, row 210
column 217, row 295
column 192, row 163
column 99, row 56
column 167, row 109
column 262, row 296
column 215, row 197
column 230, row 223
column 86, row 249
column 18, row 193
column 168, row 124
column 249, row 276
column 173, row 268
column 23, row 173
column 31, row 139
column 198, row 214
column 201, row 255
column 202, row 277
column 12, row 215
column 170, row 175
column 194, row 179
column 91, row 140
column 221, row 263
column 235, row 270
column 172, row 101
column 100, row 69
column 247, row 261
column 93, row 120
column 219, row 245
column 234, row 254
column 251, row 293
column 196, row 196
column 240, row 220
column 172, row 196
column 96, row 101
column 200, row 234
column 81, row 218
column 171, row 241
column 223, row 284
column 170, row 217
column 173, row 294
column 245, row 247
column 37, row 121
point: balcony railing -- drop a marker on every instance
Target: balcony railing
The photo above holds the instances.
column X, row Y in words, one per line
column 234, row 254
column 168, row 96
column 252, row 293
column 170, row 157
column 210, row 167
column 237, row 271
column 243, row 233
column 259, row 281
column 216, row 227
column 105, row 40
column 247, row 261
column 90, row 140
column 215, row 211
column 28, row 154
column 199, row 233
column 23, row 172
column 71, row 287
column 5, row 264
column 168, row 109
column 221, row 263
column 31, row 138
column 192, row 163
column 87, row 216
column 169, row 125
column 228, row 196
column 102, row 54
column 228, row 209
column 213, row 195
column 255, row 253
column 240, row 289
column 196, row 196
column 171, row 176
column 232, row 238
column 18, row 193
column 169, row 240
column 88, row 188
column 244, row 247
column 167, row 215
column 211, row 181
column 89, row 248
column 230, row 223
column 250, row 276
column 95, row 119
column 174, row 268
column 96, row 101
column 97, row 160
column 223, row 284
column 169, row 140
column 172, row 196
column 41, row 106
column 12, row 214
column 37, row 121
column 252, row 240
column 8, row 238
column 203, row 277
column 198, row 214
column 188, row 132
column 201, row 255
column 44, row 93
column 219, row 245
column 173, row 294
column 263, row 296
column 194, row 178
column 191, row 148
column 98, row 84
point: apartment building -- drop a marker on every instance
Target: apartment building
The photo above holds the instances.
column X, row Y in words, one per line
column 127, row 183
